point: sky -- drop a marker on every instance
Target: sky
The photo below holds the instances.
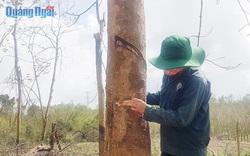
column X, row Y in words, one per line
column 76, row 78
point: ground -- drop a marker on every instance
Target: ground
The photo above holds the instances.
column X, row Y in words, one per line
column 229, row 148
column 220, row 147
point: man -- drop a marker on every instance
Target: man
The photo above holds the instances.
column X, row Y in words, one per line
column 183, row 110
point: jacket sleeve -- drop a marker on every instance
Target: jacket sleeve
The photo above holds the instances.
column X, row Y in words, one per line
column 153, row 98
column 195, row 94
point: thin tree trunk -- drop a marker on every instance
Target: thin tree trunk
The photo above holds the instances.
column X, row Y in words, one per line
column 127, row 132
column 19, row 81
column 101, row 98
column 238, row 138
column 52, row 136
column 45, row 119
column 18, row 75
column 100, row 93
column 57, row 139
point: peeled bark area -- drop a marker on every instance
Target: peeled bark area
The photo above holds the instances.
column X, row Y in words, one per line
column 127, row 134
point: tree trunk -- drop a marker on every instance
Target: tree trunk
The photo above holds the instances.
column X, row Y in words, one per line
column 238, row 138
column 19, row 82
column 46, row 115
column 101, row 96
column 127, row 133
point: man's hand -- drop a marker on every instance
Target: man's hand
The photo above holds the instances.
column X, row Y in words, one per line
column 138, row 105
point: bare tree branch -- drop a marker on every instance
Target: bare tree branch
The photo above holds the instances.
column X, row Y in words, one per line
column 5, row 35
column 199, row 32
column 3, row 22
column 14, row 3
column 201, row 36
column 245, row 14
column 198, row 42
column 36, row 71
column 224, row 67
column 79, row 15
column 200, row 27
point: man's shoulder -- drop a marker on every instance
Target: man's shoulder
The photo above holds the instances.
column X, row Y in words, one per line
column 196, row 75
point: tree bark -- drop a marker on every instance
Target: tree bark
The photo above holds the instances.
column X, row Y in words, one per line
column 127, row 132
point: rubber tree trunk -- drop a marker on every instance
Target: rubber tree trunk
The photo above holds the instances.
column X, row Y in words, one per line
column 101, row 95
column 127, row 132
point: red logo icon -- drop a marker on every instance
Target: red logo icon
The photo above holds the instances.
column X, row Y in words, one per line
column 49, row 7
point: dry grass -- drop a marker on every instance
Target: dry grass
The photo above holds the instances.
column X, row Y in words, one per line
column 221, row 148
column 229, row 148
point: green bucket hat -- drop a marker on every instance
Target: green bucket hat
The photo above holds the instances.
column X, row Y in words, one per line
column 177, row 52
